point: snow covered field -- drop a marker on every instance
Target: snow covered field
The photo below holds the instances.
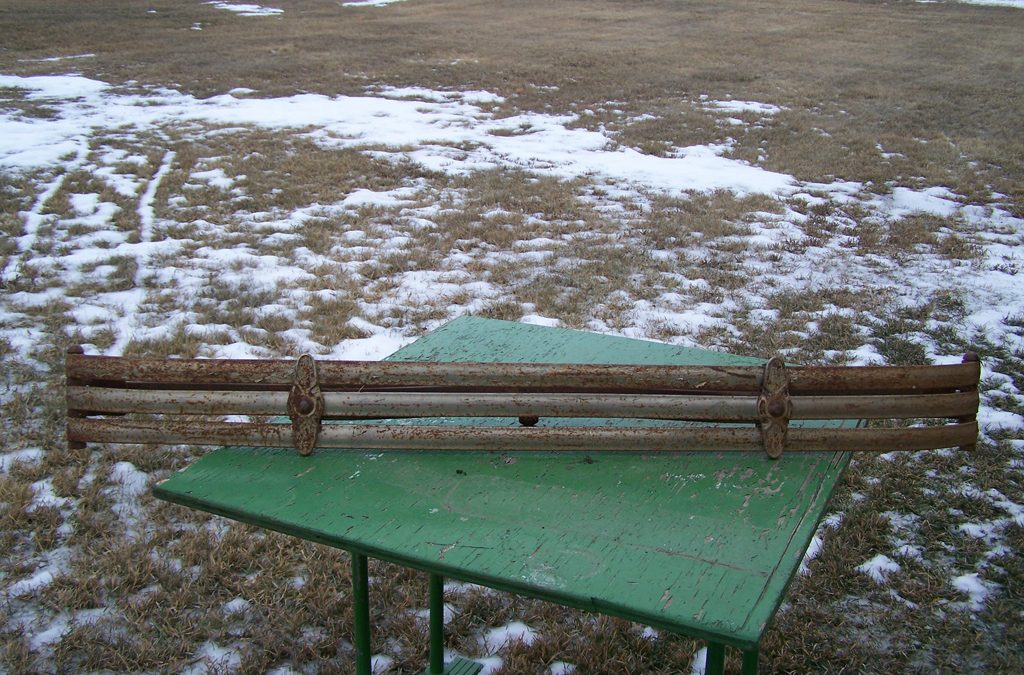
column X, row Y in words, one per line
column 447, row 133
column 141, row 219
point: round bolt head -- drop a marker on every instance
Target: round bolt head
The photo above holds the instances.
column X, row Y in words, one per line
column 305, row 405
column 776, row 407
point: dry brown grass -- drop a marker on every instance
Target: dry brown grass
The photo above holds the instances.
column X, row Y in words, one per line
column 886, row 94
column 866, row 630
column 853, row 74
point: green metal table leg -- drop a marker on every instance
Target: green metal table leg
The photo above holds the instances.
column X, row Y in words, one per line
column 361, row 611
column 714, row 664
column 750, row 662
column 436, row 624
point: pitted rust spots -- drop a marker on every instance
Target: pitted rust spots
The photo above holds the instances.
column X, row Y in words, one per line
column 305, row 405
column 971, row 358
column 742, row 408
column 276, row 375
column 774, row 407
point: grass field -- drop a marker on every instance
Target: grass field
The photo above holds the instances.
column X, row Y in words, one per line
column 838, row 181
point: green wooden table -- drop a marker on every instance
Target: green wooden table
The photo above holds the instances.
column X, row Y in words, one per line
column 702, row 544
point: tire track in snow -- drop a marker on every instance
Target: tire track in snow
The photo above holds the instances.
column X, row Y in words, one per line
column 34, row 217
column 147, row 214
column 145, row 247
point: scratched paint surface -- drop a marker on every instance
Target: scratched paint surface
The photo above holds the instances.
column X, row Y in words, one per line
column 704, row 544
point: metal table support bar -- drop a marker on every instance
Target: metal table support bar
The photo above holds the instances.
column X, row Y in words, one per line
column 715, row 660
column 361, row 624
column 750, row 662
column 436, row 624
column 714, row 663
column 361, row 611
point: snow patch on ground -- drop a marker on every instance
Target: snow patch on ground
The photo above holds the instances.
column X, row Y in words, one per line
column 54, row 59
column 699, row 664
column 496, row 639
column 26, row 455
column 369, row 3
column 975, row 588
column 743, row 107
column 51, row 634
column 381, row 663
column 244, row 9
column 53, row 564
column 830, row 522
column 994, row 3
column 214, row 658
column 236, row 606
column 40, row 579
column 129, row 484
column 879, row 568
column 551, row 147
column 449, row 613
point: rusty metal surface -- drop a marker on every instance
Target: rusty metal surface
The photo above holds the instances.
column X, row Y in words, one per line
column 883, row 440
column 775, row 394
column 588, row 439
column 884, row 406
column 70, row 381
column 375, row 375
column 305, row 405
column 177, row 430
column 774, row 407
column 367, row 405
column 371, row 375
column 972, row 414
column 838, row 380
column 375, row 405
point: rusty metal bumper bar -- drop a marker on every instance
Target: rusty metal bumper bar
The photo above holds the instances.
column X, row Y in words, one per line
column 762, row 400
column 430, row 437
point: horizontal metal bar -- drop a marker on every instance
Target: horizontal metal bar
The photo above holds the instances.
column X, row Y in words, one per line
column 405, row 374
column 177, row 430
column 589, row 439
column 846, row 380
column 365, row 405
column 420, row 437
column 378, row 375
column 911, row 406
column 883, row 440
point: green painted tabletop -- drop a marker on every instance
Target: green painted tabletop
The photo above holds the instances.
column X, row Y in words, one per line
column 699, row 543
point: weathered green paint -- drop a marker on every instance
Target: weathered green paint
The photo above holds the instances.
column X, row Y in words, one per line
column 703, row 544
column 463, row 666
